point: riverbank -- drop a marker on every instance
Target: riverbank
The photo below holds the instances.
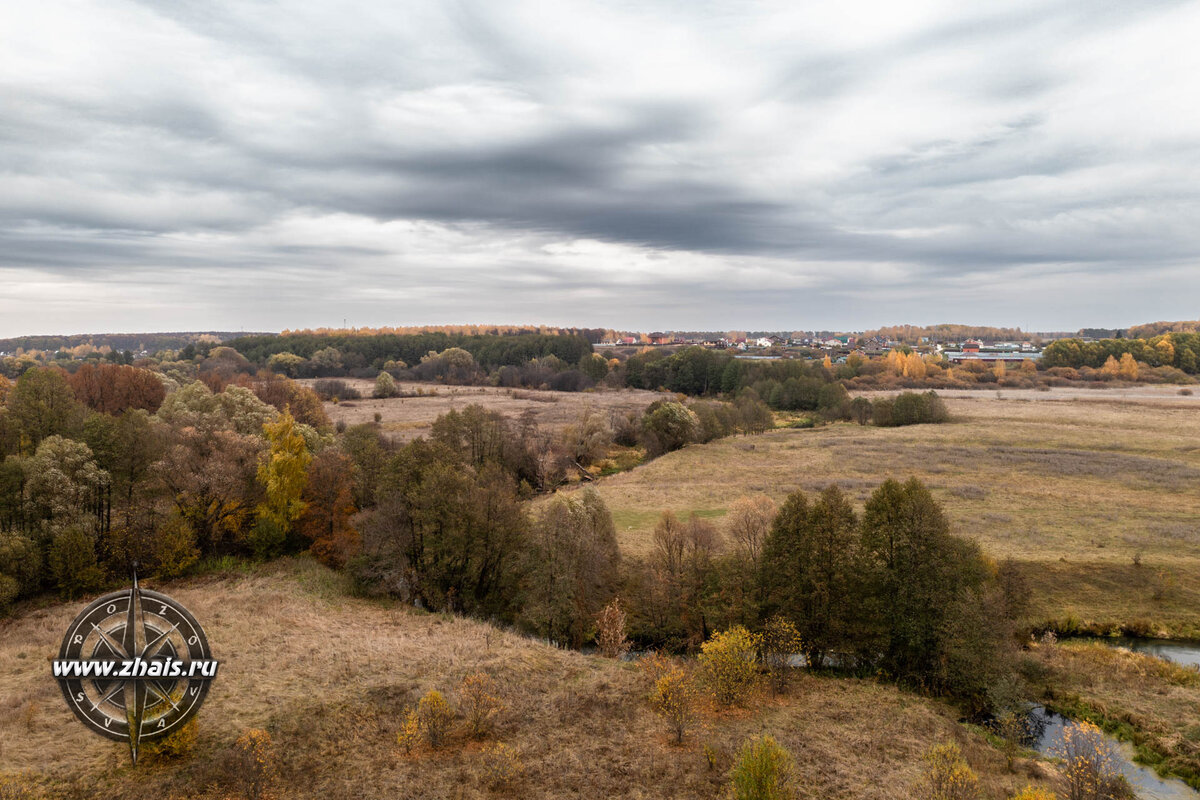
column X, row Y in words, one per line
column 1138, row 698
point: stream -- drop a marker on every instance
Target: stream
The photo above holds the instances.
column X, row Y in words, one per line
column 1047, row 726
column 1047, row 730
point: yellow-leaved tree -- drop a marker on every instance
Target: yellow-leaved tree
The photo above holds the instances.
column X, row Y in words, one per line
column 283, row 472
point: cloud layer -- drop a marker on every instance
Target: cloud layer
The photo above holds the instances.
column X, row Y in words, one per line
column 203, row 165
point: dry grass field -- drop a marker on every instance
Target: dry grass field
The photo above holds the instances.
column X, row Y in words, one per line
column 1098, row 493
column 406, row 418
column 330, row 677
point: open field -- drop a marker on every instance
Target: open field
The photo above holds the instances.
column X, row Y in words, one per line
column 1078, row 486
column 330, row 677
column 406, row 418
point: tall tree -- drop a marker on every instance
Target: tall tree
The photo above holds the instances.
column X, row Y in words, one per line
column 809, row 568
column 283, row 473
column 42, row 405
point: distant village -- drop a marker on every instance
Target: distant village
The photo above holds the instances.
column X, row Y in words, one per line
column 838, row 347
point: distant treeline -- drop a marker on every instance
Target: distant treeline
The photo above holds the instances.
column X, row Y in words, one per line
column 136, row 342
column 591, row 334
column 912, row 334
column 374, row 351
column 1179, row 350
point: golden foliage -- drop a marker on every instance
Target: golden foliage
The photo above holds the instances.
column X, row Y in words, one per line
column 502, row 767
column 410, row 733
column 763, row 771
column 1089, row 768
column 480, row 703
column 1034, row 793
column 947, row 775
column 674, row 699
column 255, row 768
column 434, row 715
column 728, row 663
column 284, row 472
column 177, row 744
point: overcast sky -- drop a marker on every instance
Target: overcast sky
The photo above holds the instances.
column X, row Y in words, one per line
column 203, row 164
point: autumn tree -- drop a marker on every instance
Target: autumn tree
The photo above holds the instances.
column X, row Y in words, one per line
column 573, row 567
column 679, row 569
column 41, row 404
column 915, row 571
column 809, row 570
column 728, row 665
column 610, row 630
column 112, row 388
column 779, row 641
column 211, row 477
column 747, row 524
column 328, row 507
column 283, row 473
column 675, row 699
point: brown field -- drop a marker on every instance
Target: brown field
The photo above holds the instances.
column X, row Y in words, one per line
column 406, row 418
column 1076, row 484
column 330, row 677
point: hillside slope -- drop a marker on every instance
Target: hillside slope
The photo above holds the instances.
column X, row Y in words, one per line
column 331, row 677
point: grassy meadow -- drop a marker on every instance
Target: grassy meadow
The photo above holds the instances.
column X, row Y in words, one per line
column 331, row 677
column 1097, row 494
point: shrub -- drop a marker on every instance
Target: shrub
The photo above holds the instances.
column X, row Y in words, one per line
column 674, row 699
column 1089, row 767
column 947, row 776
column 727, row 661
column 175, row 548
column 434, row 716
column 410, row 733
column 253, row 765
column 502, row 767
column 266, row 538
column 779, row 641
column 177, row 744
column 610, row 630
column 72, row 560
column 909, row 408
column 480, row 703
column 385, row 386
column 763, row 771
column 1034, row 793
column 20, row 560
column 335, row 390
column 668, row 426
column 9, row 590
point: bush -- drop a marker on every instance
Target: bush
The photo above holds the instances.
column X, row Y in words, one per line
column 434, row 716
column 763, row 771
column 668, row 426
column 410, row 733
column 9, row 590
column 334, row 390
column 266, row 539
column 385, row 386
column 502, row 767
column 178, row 744
column 610, row 630
column 674, row 699
column 728, row 664
column 947, row 775
column 253, row 765
column 1089, row 766
column 20, row 560
column 1034, row 793
column 72, row 561
column 909, row 408
column 480, row 703
column 779, row 641
column 175, row 549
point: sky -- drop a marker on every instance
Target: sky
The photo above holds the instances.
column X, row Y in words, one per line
column 693, row 165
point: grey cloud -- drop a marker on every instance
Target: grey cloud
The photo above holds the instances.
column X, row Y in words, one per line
column 270, row 112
